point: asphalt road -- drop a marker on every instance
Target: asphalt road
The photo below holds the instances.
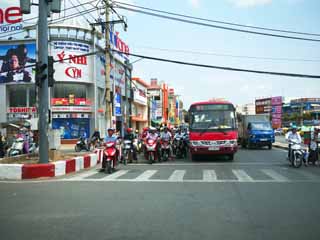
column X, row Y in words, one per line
column 257, row 196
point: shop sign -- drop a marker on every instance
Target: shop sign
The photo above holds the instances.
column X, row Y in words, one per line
column 10, row 19
column 276, row 101
column 71, row 109
column 70, row 101
column 22, row 110
column 117, row 76
column 171, row 91
column 100, row 61
column 117, row 104
column 303, row 100
column 119, row 45
column 72, row 65
column 140, row 97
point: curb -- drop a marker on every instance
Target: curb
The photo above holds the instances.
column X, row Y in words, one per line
column 279, row 146
column 55, row 169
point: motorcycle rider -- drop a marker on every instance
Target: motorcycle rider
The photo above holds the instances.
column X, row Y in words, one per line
column 153, row 135
column 131, row 136
column 166, row 136
column 181, row 135
column 293, row 135
column 110, row 137
column 95, row 136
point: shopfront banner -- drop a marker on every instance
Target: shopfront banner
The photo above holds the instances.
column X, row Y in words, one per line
column 117, row 104
column 72, row 66
column 14, row 61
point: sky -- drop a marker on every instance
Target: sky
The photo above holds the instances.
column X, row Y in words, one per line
column 156, row 37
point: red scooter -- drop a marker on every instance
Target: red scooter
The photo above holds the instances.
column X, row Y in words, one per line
column 109, row 161
column 151, row 149
column 165, row 150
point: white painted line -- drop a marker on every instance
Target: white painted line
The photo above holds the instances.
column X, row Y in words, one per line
column 209, row 176
column 274, row 175
column 59, row 168
column 242, row 176
column 146, row 175
column 84, row 175
column 11, row 171
column 115, row 175
column 177, row 175
column 208, row 164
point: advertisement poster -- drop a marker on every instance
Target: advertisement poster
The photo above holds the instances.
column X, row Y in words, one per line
column 117, row 104
column 72, row 128
column 14, row 62
column 117, row 76
column 72, row 66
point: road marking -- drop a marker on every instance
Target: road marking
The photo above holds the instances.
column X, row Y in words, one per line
column 146, row 175
column 115, row 175
column 177, row 176
column 85, row 174
column 209, row 176
column 242, row 176
column 209, row 163
column 274, row 175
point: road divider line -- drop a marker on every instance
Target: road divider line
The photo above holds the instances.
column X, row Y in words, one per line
column 115, row 175
column 274, row 175
column 242, row 176
column 146, row 175
column 177, row 176
column 209, row 176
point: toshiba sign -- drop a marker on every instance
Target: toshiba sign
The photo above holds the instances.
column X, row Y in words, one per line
column 10, row 19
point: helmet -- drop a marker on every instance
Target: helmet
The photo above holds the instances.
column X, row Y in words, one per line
column 129, row 130
column 152, row 129
column 293, row 126
column 145, row 129
column 110, row 129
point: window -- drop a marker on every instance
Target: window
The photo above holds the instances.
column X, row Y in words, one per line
column 64, row 90
column 18, row 95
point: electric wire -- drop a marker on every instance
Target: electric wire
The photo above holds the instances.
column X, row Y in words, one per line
column 216, row 21
column 217, row 26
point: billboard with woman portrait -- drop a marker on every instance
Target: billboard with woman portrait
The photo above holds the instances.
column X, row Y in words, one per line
column 16, row 62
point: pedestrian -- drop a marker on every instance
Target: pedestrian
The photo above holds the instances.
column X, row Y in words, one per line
column 1, row 146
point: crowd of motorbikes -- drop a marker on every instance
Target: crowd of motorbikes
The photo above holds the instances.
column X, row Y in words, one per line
column 125, row 151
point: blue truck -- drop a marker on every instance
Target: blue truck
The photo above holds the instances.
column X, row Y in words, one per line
column 255, row 131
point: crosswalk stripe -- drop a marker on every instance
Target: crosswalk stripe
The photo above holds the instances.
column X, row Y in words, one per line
column 115, row 175
column 146, row 175
column 177, row 176
column 242, row 176
column 84, row 174
column 209, row 176
column 274, row 175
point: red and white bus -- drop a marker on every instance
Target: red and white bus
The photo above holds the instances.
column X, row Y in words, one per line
column 213, row 130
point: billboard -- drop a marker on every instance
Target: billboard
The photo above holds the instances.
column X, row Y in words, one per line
column 10, row 17
column 14, row 61
column 72, row 66
column 118, row 76
column 100, row 70
column 263, row 105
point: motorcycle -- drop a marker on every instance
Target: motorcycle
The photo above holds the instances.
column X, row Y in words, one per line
column 297, row 155
column 138, row 145
column 81, row 145
column 16, row 148
column 109, row 157
column 127, row 151
column 165, row 150
column 151, row 147
column 94, row 143
column 180, row 149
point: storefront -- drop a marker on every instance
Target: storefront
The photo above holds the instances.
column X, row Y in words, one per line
column 139, row 115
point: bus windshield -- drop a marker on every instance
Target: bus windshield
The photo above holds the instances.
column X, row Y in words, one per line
column 212, row 119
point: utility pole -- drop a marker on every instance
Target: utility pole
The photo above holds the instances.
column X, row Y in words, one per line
column 42, row 35
column 108, row 67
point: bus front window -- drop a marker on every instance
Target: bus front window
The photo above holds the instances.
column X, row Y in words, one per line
column 213, row 120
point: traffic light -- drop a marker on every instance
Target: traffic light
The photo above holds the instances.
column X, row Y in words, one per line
column 50, row 71
column 40, row 73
